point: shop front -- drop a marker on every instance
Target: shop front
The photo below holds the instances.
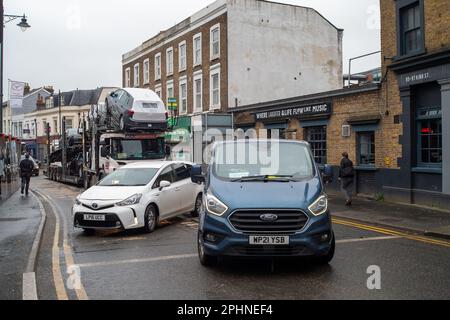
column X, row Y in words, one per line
column 424, row 85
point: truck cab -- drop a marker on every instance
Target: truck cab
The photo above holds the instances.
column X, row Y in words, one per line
column 119, row 149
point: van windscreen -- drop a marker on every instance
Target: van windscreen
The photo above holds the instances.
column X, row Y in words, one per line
column 246, row 159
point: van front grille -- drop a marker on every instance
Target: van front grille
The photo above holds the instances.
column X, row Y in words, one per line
column 252, row 221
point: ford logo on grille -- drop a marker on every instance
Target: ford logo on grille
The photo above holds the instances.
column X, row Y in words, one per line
column 268, row 217
column 94, row 206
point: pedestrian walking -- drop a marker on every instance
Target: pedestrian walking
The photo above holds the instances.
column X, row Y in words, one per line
column 26, row 171
column 346, row 176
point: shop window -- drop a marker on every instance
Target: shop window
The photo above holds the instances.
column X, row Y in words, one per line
column 366, row 148
column 411, row 36
column 429, row 129
column 317, row 138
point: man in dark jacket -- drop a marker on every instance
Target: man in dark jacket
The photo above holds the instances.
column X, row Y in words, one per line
column 346, row 175
column 26, row 171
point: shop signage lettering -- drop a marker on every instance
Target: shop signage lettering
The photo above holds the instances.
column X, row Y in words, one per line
column 425, row 75
column 299, row 112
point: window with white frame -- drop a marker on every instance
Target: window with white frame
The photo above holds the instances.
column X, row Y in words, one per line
column 197, row 45
column 146, row 71
column 136, row 75
column 183, row 96
column 169, row 61
column 158, row 91
column 214, row 86
column 127, row 77
column 69, row 123
column 170, row 93
column 158, row 66
column 198, row 103
column 182, row 56
column 215, row 42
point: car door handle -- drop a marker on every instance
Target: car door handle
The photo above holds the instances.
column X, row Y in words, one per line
column 177, row 189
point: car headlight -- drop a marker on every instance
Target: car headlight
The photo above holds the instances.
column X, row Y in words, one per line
column 134, row 199
column 320, row 206
column 214, row 205
column 77, row 201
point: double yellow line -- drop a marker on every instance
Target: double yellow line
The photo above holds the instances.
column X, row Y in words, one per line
column 391, row 232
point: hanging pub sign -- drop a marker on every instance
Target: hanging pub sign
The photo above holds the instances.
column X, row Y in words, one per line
column 301, row 112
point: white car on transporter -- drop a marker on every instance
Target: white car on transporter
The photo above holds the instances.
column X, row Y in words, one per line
column 138, row 195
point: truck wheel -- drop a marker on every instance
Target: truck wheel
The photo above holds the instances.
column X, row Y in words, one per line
column 197, row 206
column 205, row 259
column 150, row 218
column 326, row 259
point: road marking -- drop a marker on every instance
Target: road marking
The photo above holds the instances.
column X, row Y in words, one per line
column 29, row 290
column 368, row 239
column 391, row 232
column 29, row 287
column 68, row 255
column 152, row 259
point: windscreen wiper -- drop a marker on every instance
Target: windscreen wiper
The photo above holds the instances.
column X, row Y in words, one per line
column 265, row 178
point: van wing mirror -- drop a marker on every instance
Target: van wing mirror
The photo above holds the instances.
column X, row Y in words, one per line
column 164, row 184
column 196, row 174
column 327, row 174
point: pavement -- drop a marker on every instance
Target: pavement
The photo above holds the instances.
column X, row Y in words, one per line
column 20, row 218
column 8, row 189
column 409, row 218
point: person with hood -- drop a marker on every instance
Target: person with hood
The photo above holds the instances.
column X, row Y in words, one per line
column 346, row 176
column 26, row 171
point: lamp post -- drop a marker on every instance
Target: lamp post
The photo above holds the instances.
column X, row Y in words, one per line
column 23, row 24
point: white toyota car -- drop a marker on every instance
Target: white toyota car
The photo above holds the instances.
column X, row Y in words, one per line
column 138, row 195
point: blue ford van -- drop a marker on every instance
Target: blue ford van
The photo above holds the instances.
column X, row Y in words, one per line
column 264, row 198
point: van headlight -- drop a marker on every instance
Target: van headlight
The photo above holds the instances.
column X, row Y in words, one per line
column 214, row 205
column 134, row 199
column 320, row 206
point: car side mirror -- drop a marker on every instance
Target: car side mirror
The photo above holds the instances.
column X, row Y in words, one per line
column 164, row 184
column 327, row 174
column 197, row 175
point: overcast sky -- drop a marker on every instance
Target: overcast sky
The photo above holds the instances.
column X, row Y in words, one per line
column 79, row 43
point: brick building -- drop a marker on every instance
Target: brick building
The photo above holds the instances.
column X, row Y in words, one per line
column 397, row 131
column 235, row 53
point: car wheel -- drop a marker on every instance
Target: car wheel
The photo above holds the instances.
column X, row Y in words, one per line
column 151, row 219
column 89, row 232
column 205, row 259
column 122, row 124
column 197, row 206
column 326, row 259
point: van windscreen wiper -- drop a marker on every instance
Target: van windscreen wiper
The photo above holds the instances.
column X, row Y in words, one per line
column 265, row 178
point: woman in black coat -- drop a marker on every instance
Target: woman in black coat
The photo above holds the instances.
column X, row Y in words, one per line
column 346, row 176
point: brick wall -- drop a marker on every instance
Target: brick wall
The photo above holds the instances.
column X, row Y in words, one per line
column 190, row 69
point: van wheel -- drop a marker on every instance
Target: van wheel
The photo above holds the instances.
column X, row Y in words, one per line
column 151, row 219
column 326, row 259
column 197, row 206
column 205, row 259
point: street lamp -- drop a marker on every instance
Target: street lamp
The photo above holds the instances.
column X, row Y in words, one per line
column 24, row 26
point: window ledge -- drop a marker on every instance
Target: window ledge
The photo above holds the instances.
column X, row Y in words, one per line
column 427, row 170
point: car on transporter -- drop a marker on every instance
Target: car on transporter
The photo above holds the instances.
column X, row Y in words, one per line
column 135, row 109
column 138, row 195
column 264, row 199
